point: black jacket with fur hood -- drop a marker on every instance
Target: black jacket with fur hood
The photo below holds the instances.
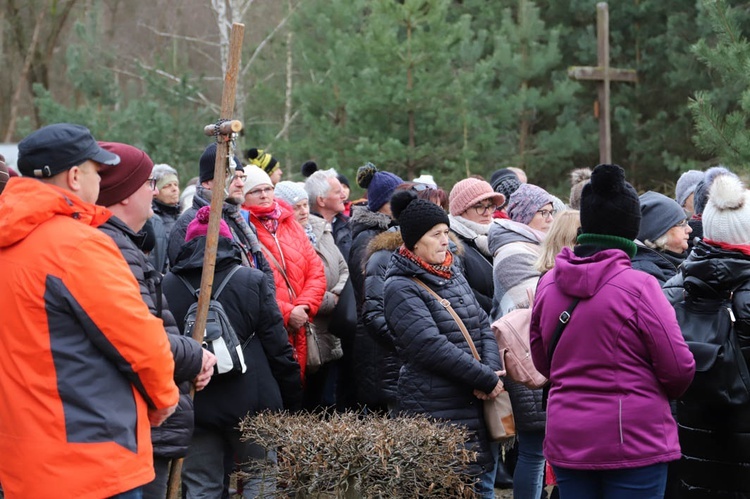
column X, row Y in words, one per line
column 379, row 363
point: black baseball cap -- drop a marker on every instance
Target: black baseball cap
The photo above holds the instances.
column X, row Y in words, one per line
column 59, row 147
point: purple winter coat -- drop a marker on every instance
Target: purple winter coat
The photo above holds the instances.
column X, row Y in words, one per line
column 618, row 362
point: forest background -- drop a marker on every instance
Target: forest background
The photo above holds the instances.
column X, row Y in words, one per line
column 445, row 87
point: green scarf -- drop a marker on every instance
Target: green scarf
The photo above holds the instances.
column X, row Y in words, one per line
column 609, row 242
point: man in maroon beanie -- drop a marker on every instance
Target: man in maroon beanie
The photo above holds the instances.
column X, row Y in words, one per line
column 127, row 191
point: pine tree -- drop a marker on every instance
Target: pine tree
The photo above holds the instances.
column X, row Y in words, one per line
column 722, row 115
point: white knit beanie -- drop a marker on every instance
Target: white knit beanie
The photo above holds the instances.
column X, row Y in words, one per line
column 726, row 218
column 255, row 177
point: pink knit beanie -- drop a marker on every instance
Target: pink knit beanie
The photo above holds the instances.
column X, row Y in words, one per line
column 469, row 192
column 199, row 226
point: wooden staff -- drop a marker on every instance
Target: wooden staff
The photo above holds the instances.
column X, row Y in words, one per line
column 223, row 131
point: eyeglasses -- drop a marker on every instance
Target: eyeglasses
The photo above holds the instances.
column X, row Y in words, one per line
column 240, row 176
column 261, row 191
column 483, row 209
column 547, row 213
column 151, row 183
column 683, row 224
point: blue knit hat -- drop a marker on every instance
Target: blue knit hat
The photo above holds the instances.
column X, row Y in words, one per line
column 380, row 185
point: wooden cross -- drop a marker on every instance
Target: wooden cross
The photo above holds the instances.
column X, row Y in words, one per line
column 224, row 130
column 603, row 74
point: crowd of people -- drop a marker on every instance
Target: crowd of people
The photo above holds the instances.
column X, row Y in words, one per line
column 364, row 305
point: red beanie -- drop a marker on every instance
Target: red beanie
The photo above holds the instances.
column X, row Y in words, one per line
column 199, row 226
column 121, row 182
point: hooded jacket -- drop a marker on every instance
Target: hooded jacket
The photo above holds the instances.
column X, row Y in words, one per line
column 440, row 374
column 661, row 264
column 617, row 363
column 172, row 438
column 516, row 247
column 291, row 248
column 708, row 469
column 76, row 386
column 272, row 380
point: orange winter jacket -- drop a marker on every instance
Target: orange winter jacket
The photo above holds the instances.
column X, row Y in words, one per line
column 291, row 248
column 82, row 359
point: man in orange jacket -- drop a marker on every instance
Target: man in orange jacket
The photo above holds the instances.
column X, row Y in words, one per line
column 85, row 369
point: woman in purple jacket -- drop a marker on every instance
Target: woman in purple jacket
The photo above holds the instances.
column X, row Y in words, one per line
column 619, row 360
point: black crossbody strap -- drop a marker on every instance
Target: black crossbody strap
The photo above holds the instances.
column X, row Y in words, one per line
column 562, row 322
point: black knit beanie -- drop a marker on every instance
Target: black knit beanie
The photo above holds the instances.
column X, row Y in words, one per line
column 415, row 216
column 610, row 205
column 208, row 160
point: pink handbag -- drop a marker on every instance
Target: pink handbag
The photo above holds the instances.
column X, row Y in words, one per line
column 512, row 335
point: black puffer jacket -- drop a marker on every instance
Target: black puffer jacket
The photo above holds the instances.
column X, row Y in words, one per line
column 243, row 233
column 364, row 225
column 380, row 366
column 358, row 351
column 272, row 380
column 172, row 438
column 715, row 441
column 661, row 264
column 439, row 373
column 163, row 221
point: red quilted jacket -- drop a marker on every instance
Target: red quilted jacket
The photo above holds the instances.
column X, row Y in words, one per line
column 293, row 250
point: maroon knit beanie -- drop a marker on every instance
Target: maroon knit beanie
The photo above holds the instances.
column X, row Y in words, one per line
column 199, row 226
column 130, row 175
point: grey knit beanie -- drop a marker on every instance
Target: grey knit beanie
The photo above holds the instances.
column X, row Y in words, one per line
column 686, row 185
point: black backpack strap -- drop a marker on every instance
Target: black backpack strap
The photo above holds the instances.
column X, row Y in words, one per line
column 190, row 287
column 224, row 282
column 217, row 291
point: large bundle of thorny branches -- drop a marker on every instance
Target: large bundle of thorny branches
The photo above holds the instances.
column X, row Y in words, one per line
column 351, row 455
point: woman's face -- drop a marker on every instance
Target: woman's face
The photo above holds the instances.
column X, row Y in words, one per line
column 302, row 212
column 543, row 218
column 481, row 212
column 678, row 236
column 433, row 246
column 261, row 195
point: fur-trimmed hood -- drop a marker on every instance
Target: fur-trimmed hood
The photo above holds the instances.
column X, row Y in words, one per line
column 363, row 219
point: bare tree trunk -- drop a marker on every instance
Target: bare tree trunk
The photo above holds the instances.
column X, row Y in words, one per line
column 409, row 89
column 43, row 53
column 22, row 78
column 229, row 12
column 288, row 97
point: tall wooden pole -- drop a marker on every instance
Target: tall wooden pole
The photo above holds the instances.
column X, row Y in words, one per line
column 603, row 74
column 602, row 51
column 217, row 203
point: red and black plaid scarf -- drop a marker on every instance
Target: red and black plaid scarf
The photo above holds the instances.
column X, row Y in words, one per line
column 441, row 269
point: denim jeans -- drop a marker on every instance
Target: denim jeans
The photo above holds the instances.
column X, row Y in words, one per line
column 647, row 482
column 528, row 477
column 204, row 468
column 485, row 487
column 136, row 493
